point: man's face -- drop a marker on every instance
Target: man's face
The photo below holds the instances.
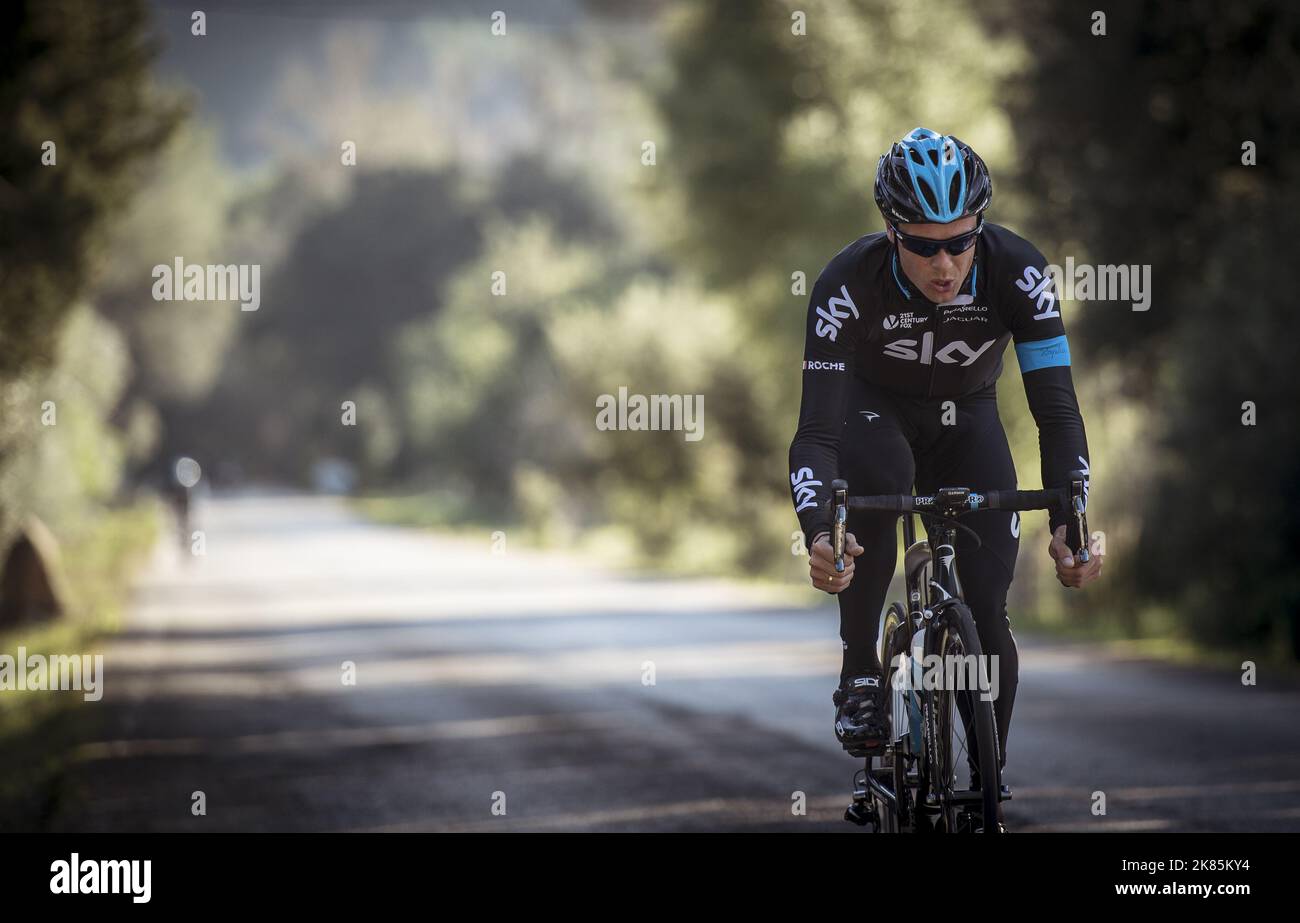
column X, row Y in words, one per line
column 939, row 276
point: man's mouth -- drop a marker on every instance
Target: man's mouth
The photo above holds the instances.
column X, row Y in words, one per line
column 944, row 286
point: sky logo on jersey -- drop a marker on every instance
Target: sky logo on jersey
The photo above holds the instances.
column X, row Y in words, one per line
column 832, row 320
column 953, row 352
column 1039, row 287
column 802, row 483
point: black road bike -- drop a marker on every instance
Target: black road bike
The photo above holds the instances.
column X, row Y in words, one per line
column 940, row 708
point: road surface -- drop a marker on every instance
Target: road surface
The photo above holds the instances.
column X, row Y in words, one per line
column 525, row 691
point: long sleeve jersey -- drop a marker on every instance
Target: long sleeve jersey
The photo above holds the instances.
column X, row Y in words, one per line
column 866, row 318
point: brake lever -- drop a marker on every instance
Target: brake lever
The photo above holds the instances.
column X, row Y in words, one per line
column 841, row 501
column 1078, row 485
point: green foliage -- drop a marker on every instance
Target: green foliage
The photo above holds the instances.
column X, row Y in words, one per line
column 352, row 275
column 75, row 74
column 355, row 288
column 500, row 392
column 101, row 550
column 479, row 380
column 773, row 137
column 672, row 338
column 177, row 348
column 1133, row 145
column 65, row 457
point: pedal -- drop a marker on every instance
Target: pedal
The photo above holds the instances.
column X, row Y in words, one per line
column 861, row 814
column 860, row 754
column 861, row 751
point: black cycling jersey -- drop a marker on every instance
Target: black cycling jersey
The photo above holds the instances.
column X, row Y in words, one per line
column 866, row 318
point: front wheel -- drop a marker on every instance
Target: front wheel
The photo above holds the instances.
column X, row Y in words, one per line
column 892, row 770
column 963, row 726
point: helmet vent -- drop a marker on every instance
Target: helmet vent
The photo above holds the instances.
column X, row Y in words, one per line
column 928, row 194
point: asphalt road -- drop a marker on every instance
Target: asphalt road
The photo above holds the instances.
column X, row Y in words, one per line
column 520, row 681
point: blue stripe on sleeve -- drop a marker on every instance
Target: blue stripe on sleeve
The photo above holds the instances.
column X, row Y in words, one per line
column 1042, row 354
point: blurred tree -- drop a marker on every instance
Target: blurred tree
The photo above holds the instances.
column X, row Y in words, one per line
column 73, row 457
column 481, row 393
column 774, row 125
column 80, row 119
column 353, row 275
column 1133, row 141
column 176, row 347
column 352, row 311
column 73, row 73
column 528, row 185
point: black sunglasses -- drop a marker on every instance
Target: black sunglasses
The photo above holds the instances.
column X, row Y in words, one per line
column 925, row 246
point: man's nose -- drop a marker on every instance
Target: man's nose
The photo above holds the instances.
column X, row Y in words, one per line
column 942, row 261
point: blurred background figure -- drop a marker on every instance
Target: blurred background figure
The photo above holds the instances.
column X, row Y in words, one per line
column 185, row 474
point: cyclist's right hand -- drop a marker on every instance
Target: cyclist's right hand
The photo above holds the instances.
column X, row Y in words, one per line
column 821, row 562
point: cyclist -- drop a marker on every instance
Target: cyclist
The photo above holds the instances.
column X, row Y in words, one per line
column 905, row 334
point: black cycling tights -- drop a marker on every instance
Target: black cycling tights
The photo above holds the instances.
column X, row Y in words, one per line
column 892, row 443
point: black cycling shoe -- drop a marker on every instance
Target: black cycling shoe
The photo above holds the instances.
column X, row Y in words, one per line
column 861, row 723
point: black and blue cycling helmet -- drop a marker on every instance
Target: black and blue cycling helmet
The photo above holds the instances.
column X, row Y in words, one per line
column 929, row 177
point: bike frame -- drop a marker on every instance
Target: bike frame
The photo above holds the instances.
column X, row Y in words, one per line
column 928, row 602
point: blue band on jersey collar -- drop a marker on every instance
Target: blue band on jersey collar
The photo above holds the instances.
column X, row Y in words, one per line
column 907, row 293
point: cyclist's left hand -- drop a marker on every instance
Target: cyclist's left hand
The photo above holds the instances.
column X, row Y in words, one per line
column 1070, row 572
